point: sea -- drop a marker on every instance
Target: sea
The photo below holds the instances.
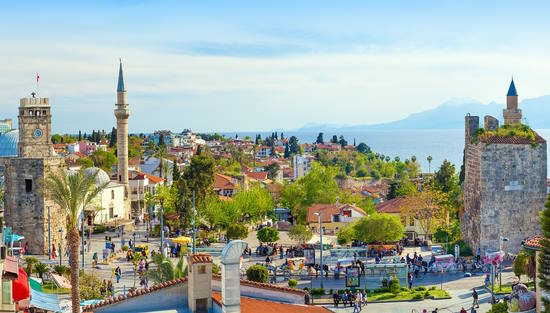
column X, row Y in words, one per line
column 440, row 144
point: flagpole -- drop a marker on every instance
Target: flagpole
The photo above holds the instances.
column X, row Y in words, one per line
column 37, row 85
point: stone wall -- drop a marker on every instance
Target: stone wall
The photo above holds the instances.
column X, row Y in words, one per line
column 513, row 192
column 470, row 226
column 26, row 211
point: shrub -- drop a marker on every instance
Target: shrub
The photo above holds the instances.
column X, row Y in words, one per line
column 257, row 273
column 426, row 294
column 318, row 291
column 62, row 270
column 268, row 234
column 418, row 296
column 394, row 285
column 292, row 283
column 236, row 231
column 156, row 231
column 433, row 288
column 125, row 248
column 215, row 268
column 499, row 308
column 99, row 229
column 419, row 288
column 404, row 289
column 214, row 239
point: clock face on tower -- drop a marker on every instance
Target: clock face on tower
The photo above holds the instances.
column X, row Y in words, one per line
column 37, row 133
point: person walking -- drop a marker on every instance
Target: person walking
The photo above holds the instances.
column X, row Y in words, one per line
column 345, row 298
column 359, row 297
column 356, row 306
column 364, row 297
column 336, row 298
column 118, row 274
column 475, row 297
column 410, row 280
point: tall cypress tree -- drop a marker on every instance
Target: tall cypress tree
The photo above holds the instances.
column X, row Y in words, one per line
column 175, row 171
column 79, row 135
column 112, row 140
column 544, row 256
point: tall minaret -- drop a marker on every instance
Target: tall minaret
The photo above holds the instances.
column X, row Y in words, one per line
column 512, row 114
column 122, row 113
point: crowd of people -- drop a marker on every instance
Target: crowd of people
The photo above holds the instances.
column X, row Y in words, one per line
column 348, row 298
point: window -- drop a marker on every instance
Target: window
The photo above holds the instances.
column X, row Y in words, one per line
column 28, row 185
column 403, row 220
column 202, row 269
column 411, row 221
column 112, row 195
column 111, row 212
column 30, row 112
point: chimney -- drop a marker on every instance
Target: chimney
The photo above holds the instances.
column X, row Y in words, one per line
column 199, row 290
column 231, row 277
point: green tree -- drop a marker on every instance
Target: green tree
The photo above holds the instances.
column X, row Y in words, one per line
column 363, row 148
column 346, row 235
column 268, row 235
column 237, row 231
column 320, row 138
column 199, row 176
column 85, row 162
column 175, row 171
column 300, row 233
column 113, row 138
column 519, row 265
column 160, row 154
column 342, row 141
column 57, row 138
column 272, row 170
column 103, row 159
column 293, row 146
column 444, row 176
column 257, row 273
column 429, row 158
column 164, row 269
column 71, row 193
column 334, row 139
column 406, row 188
column 379, row 227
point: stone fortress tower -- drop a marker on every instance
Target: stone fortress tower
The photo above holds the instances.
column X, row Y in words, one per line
column 505, row 182
column 26, row 208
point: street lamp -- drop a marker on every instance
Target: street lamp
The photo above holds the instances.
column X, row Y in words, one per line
column 321, row 244
column 60, row 245
column 501, row 239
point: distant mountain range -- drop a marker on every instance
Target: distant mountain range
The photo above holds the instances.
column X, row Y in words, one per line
column 450, row 115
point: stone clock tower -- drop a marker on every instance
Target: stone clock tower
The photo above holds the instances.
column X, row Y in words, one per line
column 35, row 128
column 25, row 205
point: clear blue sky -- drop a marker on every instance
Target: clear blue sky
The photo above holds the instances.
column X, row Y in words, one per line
column 262, row 65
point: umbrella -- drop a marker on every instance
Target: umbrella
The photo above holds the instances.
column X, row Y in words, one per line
column 183, row 240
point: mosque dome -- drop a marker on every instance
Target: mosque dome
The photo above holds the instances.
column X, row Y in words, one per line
column 8, row 143
column 101, row 177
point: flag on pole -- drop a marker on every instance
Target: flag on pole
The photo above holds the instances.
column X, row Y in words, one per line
column 37, row 78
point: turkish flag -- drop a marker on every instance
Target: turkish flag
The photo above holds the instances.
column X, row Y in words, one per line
column 20, row 286
column 37, row 78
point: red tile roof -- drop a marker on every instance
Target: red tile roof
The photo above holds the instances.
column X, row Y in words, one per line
column 534, row 243
column 257, row 175
column 222, row 182
column 391, row 206
column 201, row 258
column 512, row 140
column 139, row 292
column 328, row 210
column 250, row 305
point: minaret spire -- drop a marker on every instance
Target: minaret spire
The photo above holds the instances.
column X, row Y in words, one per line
column 120, row 87
column 512, row 113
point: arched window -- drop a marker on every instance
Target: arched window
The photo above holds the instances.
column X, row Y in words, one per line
column 37, row 113
column 112, row 194
column 30, row 112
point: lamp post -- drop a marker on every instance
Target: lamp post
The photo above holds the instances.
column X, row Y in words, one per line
column 161, row 233
column 49, row 236
column 82, row 237
column 501, row 239
column 60, row 245
column 194, row 221
column 321, row 245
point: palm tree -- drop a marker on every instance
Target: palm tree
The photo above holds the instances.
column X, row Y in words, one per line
column 71, row 192
column 31, row 261
column 164, row 269
column 41, row 269
column 159, row 153
column 429, row 163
